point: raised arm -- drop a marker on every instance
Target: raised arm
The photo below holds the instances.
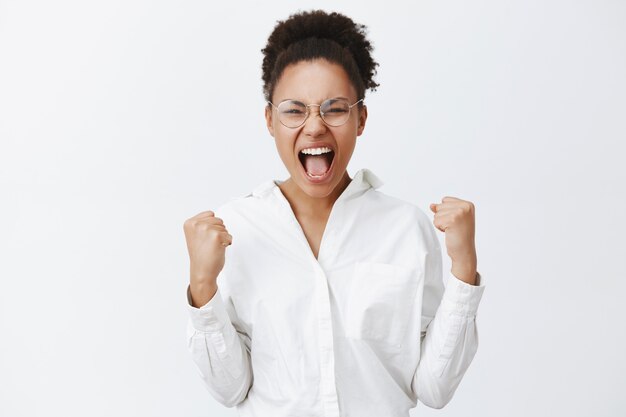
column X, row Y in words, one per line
column 449, row 336
column 218, row 344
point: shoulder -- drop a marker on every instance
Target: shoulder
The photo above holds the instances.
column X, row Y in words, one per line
column 237, row 206
column 398, row 206
column 406, row 215
column 246, row 205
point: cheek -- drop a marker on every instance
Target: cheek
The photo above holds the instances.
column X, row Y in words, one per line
column 286, row 136
column 285, row 142
column 347, row 136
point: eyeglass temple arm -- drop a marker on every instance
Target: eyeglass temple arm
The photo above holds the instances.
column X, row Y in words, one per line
column 352, row 105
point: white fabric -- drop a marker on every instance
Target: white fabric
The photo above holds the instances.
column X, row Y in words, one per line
column 366, row 329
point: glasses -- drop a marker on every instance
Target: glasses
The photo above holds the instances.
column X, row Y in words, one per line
column 334, row 111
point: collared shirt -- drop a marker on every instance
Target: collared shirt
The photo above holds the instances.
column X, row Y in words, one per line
column 366, row 329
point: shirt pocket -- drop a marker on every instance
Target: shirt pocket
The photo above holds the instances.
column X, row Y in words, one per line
column 381, row 302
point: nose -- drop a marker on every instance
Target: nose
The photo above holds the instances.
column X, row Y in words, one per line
column 314, row 125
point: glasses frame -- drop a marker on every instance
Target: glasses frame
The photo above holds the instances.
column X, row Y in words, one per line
column 308, row 112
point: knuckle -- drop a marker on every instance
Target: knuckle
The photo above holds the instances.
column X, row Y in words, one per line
column 203, row 227
column 189, row 224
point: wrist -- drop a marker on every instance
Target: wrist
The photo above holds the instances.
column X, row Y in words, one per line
column 201, row 293
column 465, row 271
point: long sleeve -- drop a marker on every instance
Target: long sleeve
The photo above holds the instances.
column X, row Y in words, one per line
column 220, row 351
column 449, row 337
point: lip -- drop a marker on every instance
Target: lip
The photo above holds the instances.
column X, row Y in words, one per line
column 319, row 180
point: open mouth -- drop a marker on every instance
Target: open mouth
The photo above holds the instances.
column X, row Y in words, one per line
column 316, row 161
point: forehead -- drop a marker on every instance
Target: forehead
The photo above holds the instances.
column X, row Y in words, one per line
column 314, row 81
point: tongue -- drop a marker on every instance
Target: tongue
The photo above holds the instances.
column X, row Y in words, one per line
column 316, row 164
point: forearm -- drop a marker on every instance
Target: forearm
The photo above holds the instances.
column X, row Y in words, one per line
column 217, row 349
column 223, row 363
column 446, row 353
column 449, row 343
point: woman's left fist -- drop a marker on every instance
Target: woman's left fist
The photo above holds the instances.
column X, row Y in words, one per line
column 455, row 217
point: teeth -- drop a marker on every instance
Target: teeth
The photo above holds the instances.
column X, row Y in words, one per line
column 316, row 151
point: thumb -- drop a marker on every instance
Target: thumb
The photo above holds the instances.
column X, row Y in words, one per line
column 433, row 207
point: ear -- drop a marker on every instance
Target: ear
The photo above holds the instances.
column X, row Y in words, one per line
column 269, row 119
column 362, row 119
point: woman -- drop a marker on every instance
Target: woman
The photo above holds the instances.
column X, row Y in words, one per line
column 319, row 295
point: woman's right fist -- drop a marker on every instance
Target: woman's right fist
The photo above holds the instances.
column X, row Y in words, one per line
column 207, row 239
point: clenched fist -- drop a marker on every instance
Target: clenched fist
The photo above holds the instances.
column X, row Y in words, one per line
column 207, row 239
column 455, row 217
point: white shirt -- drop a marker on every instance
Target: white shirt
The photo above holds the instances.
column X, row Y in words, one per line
column 366, row 329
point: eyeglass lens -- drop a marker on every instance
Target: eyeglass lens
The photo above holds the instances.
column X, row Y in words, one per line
column 334, row 112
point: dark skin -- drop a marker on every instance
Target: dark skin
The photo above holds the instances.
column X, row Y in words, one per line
column 313, row 228
column 312, row 220
column 313, row 82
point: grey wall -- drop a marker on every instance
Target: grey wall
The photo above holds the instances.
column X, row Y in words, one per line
column 113, row 131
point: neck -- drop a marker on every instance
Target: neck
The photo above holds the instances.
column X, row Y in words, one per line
column 303, row 204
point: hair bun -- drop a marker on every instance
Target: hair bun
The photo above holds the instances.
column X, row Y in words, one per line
column 310, row 34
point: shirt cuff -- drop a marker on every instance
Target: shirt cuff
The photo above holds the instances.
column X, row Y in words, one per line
column 210, row 317
column 462, row 298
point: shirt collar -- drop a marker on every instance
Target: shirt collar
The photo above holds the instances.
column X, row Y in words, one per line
column 362, row 180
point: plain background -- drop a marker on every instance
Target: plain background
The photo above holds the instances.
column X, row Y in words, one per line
column 121, row 119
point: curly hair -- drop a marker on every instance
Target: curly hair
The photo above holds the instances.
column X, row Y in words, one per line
column 306, row 36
